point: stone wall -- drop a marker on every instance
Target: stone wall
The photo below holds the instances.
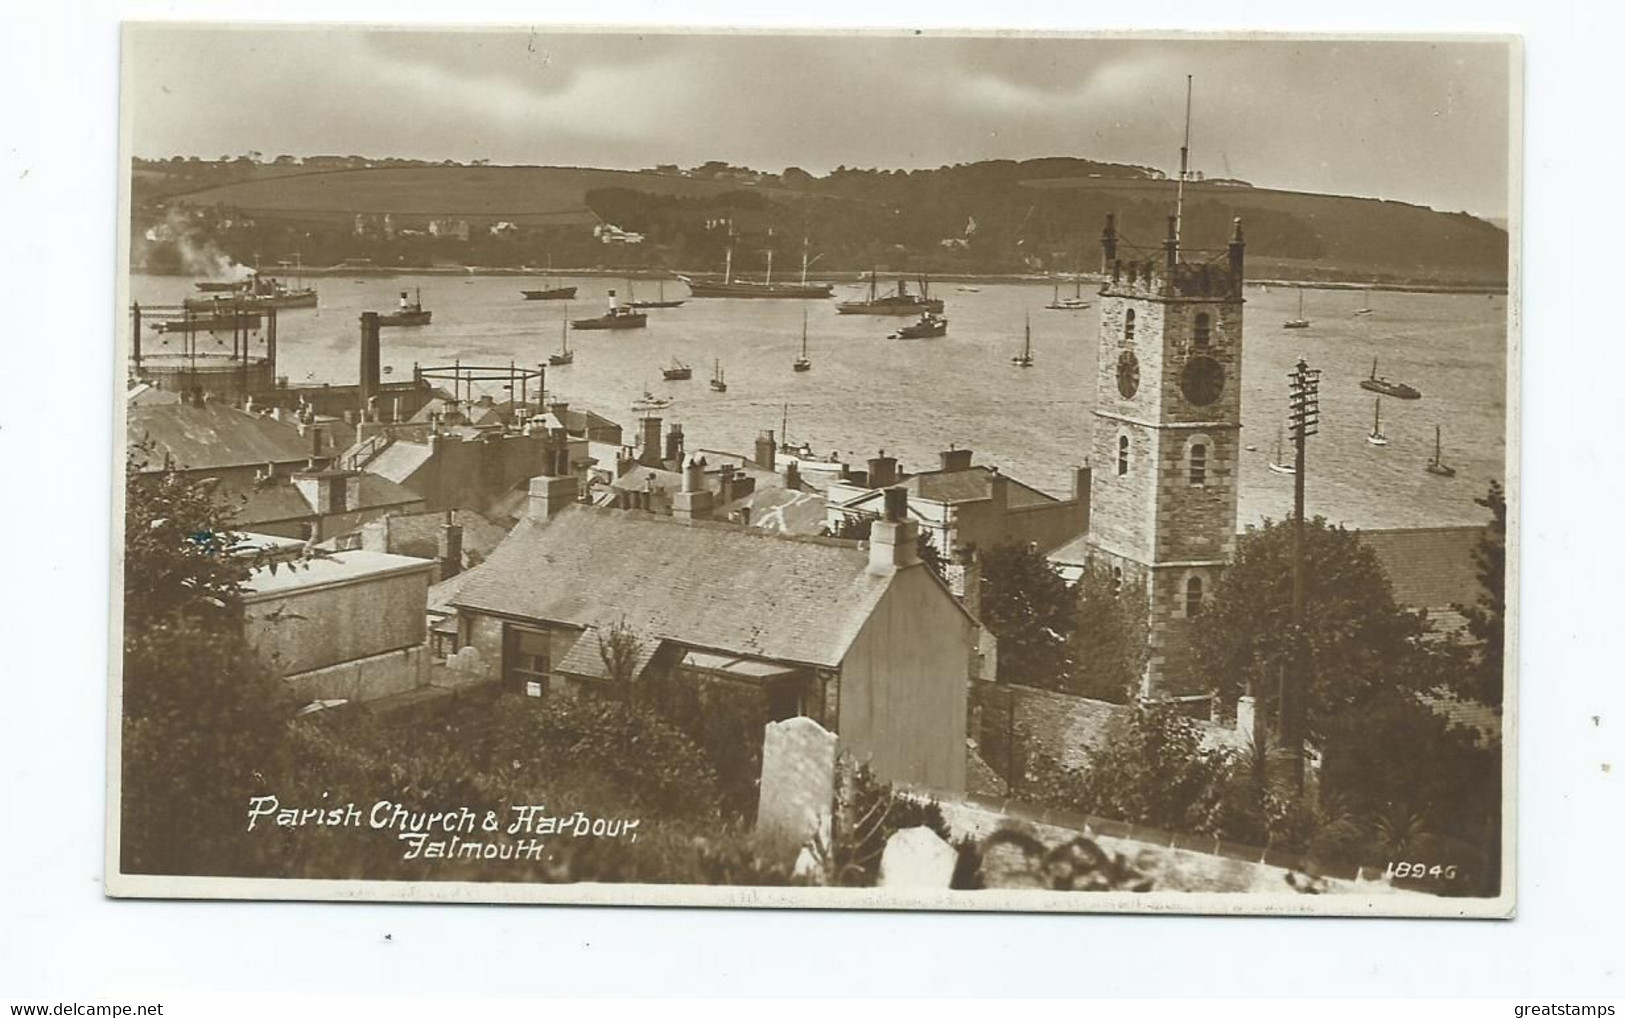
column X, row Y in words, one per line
column 368, row 678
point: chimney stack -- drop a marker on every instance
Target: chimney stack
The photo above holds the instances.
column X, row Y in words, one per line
column 693, row 502
column 649, row 449
column 965, row 580
column 766, row 451
column 882, row 471
column 1238, row 250
column 674, row 444
column 893, row 539
column 370, row 354
column 549, row 496
column 560, row 409
column 450, row 549
column 792, row 475
column 955, row 459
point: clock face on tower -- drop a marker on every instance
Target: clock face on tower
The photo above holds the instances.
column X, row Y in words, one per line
column 1128, row 374
column 1202, row 380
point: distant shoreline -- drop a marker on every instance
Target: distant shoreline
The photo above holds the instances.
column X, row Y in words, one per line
column 846, row 278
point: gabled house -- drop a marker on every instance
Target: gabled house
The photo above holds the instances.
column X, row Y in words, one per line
column 865, row 640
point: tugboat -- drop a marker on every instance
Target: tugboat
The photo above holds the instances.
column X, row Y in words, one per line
column 930, row 326
column 1279, row 465
column 717, row 381
column 1024, row 359
column 1299, row 322
column 645, row 304
column 1377, row 437
column 616, row 317
column 1437, row 465
column 678, row 372
column 730, row 287
column 1398, row 390
column 802, row 363
column 410, row 312
column 565, row 354
column 900, row 303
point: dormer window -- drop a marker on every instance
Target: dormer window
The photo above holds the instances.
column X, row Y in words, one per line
column 1128, row 325
column 1203, row 330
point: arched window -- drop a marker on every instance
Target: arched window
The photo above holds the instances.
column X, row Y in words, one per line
column 1117, row 580
column 1122, row 455
column 1204, row 329
column 1193, row 597
column 1198, row 461
column 1128, row 324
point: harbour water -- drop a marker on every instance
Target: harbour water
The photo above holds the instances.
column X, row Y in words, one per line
column 914, row 398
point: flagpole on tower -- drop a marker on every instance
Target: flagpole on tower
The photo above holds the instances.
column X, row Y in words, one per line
column 1184, row 167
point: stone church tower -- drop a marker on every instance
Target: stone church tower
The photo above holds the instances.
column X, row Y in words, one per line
column 1167, row 434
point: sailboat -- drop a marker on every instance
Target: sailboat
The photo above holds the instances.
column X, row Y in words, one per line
column 661, row 303
column 1299, row 322
column 1437, row 465
column 802, row 363
column 1377, row 437
column 678, row 372
column 1024, row 359
column 565, row 354
column 550, row 292
column 1072, row 303
column 717, row 381
column 1279, row 465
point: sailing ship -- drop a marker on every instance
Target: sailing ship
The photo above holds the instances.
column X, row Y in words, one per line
column 929, row 326
column 731, row 287
column 1398, row 390
column 1024, row 359
column 646, row 304
column 1072, row 303
column 1299, row 322
column 900, row 303
column 550, row 292
column 410, row 312
column 717, row 381
column 1279, row 465
column 677, row 372
column 617, row 317
column 802, row 363
column 565, row 354
column 1377, row 437
column 1437, row 465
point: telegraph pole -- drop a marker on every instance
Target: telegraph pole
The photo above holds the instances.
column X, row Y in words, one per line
column 1304, row 419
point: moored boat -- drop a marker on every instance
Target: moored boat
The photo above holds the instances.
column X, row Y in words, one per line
column 409, row 313
column 677, row 372
column 766, row 288
column 803, row 363
column 899, row 303
column 661, row 302
column 617, row 317
column 1436, row 464
column 1299, row 322
column 929, row 326
column 717, row 381
column 1386, row 387
column 552, row 293
column 565, row 354
column 1377, row 437
column 1024, row 359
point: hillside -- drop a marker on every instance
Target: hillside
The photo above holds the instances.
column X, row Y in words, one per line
column 982, row 218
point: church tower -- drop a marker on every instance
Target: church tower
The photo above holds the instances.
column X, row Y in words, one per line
column 1167, row 433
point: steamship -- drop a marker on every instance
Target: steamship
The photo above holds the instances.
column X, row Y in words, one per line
column 617, row 317
column 410, row 312
column 900, row 303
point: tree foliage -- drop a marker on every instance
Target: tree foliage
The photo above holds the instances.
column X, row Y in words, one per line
column 1486, row 620
column 1111, row 641
column 1032, row 612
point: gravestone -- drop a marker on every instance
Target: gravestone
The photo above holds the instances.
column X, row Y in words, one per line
column 798, row 784
column 915, row 858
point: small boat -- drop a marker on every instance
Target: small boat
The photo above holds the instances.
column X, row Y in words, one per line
column 930, row 326
column 802, row 363
column 717, row 381
column 389, row 369
column 550, row 292
column 968, row 289
column 1398, row 390
column 1437, row 465
column 678, row 372
column 565, row 354
column 649, row 402
column 1299, row 322
column 1279, row 465
column 1024, row 359
column 617, row 317
column 646, row 304
column 900, row 303
column 1072, row 303
column 1377, row 437
column 410, row 312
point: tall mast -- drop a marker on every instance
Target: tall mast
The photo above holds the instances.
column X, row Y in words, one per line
column 728, row 265
column 1184, row 166
column 803, row 260
column 804, row 332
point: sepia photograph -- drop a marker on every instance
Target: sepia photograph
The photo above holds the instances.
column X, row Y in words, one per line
column 1018, row 471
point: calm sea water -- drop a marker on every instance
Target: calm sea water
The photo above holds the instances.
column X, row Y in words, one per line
column 913, row 399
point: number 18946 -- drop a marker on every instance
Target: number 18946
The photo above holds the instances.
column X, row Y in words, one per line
column 1420, row 871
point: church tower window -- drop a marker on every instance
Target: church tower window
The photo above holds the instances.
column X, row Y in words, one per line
column 1193, row 597
column 1122, row 455
column 1128, row 324
column 1203, row 329
column 1198, row 464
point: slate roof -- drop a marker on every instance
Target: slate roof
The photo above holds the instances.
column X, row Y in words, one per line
column 707, row 585
column 584, row 658
column 213, row 436
column 1073, row 553
column 969, row 485
column 1429, row 567
column 400, row 460
column 339, row 567
column 781, row 511
column 419, row 533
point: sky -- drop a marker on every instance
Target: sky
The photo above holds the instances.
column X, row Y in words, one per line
column 1419, row 121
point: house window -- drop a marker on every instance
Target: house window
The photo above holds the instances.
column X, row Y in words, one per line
column 527, row 662
column 1198, row 461
column 1122, row 455
column 1193, row 597
column 1204, row 326
column 1117, row 581
column 1128, row 324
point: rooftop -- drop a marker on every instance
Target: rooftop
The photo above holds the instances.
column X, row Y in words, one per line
column 707, row 585
column 339, row 568
column 1428, row 567
column 214, row 435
